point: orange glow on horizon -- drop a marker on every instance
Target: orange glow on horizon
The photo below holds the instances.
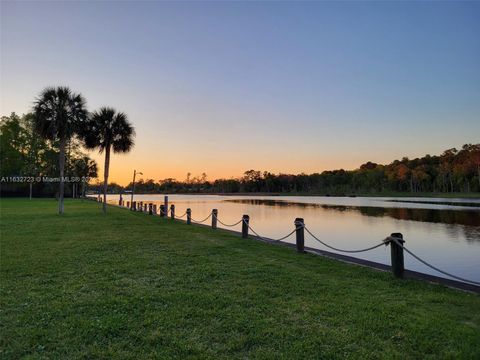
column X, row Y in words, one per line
column 163, row 167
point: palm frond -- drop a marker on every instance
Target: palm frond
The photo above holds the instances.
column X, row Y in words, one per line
column 107, row 128
column 58, row 113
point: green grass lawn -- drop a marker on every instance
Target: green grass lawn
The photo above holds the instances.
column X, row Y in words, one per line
column 132, row 286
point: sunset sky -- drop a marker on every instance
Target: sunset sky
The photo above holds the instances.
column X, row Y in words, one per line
column 223, row 87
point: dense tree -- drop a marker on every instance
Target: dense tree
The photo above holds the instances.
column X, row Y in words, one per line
column 85, row 168
column 13, row 146
column 24, row 153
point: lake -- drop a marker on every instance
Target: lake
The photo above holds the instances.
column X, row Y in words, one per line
column 444, row 232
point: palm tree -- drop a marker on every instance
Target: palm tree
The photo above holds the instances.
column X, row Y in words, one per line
column 58, row 115
column 108, row 129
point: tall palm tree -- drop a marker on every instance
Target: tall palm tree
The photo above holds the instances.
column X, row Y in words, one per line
column 108, row 129
column 58, row 115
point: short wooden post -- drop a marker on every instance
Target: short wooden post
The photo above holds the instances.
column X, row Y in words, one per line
column 189, row 216
column 396, row 252
column 154, row 209
column 134, row 206
column 299, row 230
column 214, row 218
column 150, row 209
column 246, row 220
column 120, row 201
column 128, row 204
column 172, row 211
column 166, row 204
column 162, row 210
column 140, row 206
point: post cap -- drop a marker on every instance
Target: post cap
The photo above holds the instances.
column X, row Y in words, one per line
column 398, row 236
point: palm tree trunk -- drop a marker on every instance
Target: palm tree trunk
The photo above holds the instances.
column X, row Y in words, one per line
column 105, row 177
column 61, row 163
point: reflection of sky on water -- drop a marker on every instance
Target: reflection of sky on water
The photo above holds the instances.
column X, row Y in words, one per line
column 447, row 236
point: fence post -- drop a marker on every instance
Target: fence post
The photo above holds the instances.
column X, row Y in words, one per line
column 162, row 210
column 396, row 252
column 166, row 205
column 139, row 206
column 128, row 204
column 154, row 209
column 172, row 211
column 214, row 218
column 245, row 221
column 134, row 206
column 189, row 216
column 299, row 226
column 150, row 209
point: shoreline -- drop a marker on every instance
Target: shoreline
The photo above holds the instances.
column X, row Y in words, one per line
column 474, row 196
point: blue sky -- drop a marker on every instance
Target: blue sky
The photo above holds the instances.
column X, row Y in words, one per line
column 279, row 86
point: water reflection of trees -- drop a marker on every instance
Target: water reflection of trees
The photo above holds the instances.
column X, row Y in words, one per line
column 469, row 218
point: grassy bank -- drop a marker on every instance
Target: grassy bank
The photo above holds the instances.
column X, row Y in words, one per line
column 134, row 286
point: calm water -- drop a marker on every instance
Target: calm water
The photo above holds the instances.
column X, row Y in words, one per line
column 445, row 232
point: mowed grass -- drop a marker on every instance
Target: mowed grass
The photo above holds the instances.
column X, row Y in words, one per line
column 133, row 286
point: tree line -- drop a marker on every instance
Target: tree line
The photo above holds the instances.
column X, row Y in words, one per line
column 47, row 142
column 453, row 171
column 23, row 153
